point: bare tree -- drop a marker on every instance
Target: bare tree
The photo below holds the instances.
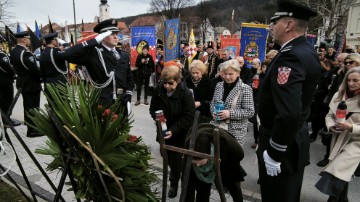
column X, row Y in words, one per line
column 169, row 8
column 5, row 15
column 332, row 14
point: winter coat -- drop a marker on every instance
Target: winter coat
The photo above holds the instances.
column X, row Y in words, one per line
column 244, row 109
column 231, row 152
column 345, row 147
column 145, row 69
column 203, row 93
column 179, row 111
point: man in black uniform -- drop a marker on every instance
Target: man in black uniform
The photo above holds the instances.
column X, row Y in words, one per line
column 145, row 65
column 7, row 76
column 284, row 105
column 212, row 60
column 108, row 66
column 53, row 70
column 29, row 78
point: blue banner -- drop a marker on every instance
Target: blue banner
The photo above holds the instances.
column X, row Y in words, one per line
column 171, row 46
column 253, row 42
column 37, row 30
column 140, row 37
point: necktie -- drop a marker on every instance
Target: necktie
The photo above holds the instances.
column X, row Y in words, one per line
column 115, row 54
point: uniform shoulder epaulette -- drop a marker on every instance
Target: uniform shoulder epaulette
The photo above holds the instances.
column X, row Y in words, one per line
column 286, row 49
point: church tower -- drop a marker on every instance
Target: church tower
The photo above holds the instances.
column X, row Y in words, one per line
column 104, row 12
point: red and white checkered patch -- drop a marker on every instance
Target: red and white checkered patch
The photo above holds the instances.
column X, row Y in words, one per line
column 283, row 75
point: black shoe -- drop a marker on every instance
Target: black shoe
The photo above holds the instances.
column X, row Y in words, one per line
column 33, row 134
column 323, row 162
column 137, row 102
column 172, row 191
column 15, row 122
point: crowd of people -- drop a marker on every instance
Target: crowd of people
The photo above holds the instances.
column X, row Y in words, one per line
column 279, row 95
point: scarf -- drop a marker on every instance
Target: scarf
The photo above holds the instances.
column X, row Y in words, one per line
column 206, row 172
column 196, row 83
column 350, row 94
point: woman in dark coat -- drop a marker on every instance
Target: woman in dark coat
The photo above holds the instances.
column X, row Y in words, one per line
column 176, row 101
column 202, row 171
column 202, row 88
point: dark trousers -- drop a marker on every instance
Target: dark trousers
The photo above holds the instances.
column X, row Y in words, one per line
column 286, row 187
column 318, row 119
column 6, row 96
column 140, row 82
column 202, row 189
column 31, row 100
column 175, row 164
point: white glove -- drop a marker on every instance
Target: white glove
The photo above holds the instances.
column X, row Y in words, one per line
column 60, row 41
column 272, row 167
column 102, row 36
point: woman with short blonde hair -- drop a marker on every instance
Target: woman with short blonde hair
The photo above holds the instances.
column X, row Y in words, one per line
column 199, row 65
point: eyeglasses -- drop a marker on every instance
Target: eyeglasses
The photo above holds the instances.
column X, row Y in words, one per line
column 348, row 62
column 168, row 82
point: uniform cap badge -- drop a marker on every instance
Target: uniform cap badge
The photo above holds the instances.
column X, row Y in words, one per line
column 283, row 75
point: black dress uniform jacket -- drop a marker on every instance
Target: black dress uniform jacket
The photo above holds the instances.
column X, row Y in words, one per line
column 284, row 104
column 87, row 54
column 48, row 71
column 7, row 75
column 24, row 62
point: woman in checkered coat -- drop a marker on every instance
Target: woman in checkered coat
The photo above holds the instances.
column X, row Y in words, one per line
column 235, row 115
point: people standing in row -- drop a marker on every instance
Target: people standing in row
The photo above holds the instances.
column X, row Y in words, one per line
column 177, row 103
column 201, row 86
column 145, row 65
column 237, row 99
column 345, row 62
column 29, row 77
column 344, row 153
column 284, row 105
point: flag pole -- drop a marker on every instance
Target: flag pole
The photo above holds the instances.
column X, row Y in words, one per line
column 75, row 42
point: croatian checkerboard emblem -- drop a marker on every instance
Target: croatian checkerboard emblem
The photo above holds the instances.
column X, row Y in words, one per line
column 283, row 75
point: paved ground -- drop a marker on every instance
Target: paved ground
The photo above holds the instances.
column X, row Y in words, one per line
column 144, row 126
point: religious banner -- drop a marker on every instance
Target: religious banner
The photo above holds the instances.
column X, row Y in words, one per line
column 140, row 37
column 171, row 47
column 253, row 42
column 232, row 44
column 192, row 46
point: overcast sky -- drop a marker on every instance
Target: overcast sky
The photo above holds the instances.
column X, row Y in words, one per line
column 59, row 11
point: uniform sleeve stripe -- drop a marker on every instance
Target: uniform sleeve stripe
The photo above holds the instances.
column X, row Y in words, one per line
column 278, row 147
column 129, row 92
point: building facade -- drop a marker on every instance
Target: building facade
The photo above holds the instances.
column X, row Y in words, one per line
column 353, row 26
